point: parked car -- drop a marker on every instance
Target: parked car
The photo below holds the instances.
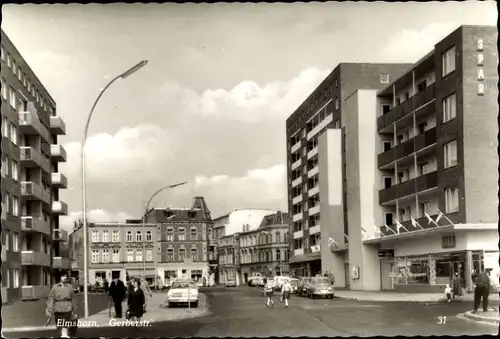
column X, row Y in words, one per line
column 253, row 277
column 294, row 282
column 258, row 282
column 321, row 287
column 183, row 292
column 230, row 283
column 304, row 283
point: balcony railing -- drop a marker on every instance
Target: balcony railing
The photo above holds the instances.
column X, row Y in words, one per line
column 58, row 153
column 296, row 164
column 59, row 235
column 4, row 254
column 297, row 217
column 298, row 251
column 313, row 171
column 313, row 191
column 312, row 153
column 408, row 147
column 296, row 147
column 57, row 125
column 60, row 263
column 4, row 211
column 314, row 229
column 297, row 182
column 32, row 191
column 314, row 210
column 297, row 199
column 328, row 120
column 33, row 224
column 35, row 292
column 422, row 221
column 35, row 258
column 59, row 208
column 31, row 157
column 420, row 99
column 298, row 234
column 30, row 124
column 409, row 187
column 59, row 180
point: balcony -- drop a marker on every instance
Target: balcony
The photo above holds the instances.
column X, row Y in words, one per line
column 35, row 258
column 314, row 229
column 313, row 171
column 30, row 124
column 313, row 191
column 297, row 199
column 296, row 147
column 328, row 120
column 59, row 180
column 408, row 147
column 298, row 251
column 32, row 191
column 420, row 99
column 296, row 164
column 315, row 248
column 59, row 235
column 60, row 263
column 58, row 153
column 314, row 210
column 409, row 187
column 298, row 234
column 35, row 292
column 4, row 211
column 35, row 225
column 297, row 182
column 31, row 157
column 59, row 208
column 312, row 153
column 422, row 221
column 297, row 217
column 57, row 125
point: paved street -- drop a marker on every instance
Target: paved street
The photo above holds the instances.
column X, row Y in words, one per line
column 241, row 312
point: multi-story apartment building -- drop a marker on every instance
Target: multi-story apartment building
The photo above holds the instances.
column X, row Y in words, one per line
column 421, row 173
column 30, row 181
column 322, row 110
column 182, row 238
column 229, row 259
column 116, row 249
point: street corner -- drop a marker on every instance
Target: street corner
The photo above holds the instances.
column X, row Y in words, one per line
column 490, row 317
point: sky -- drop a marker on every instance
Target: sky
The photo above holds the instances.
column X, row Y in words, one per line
column 210, row 106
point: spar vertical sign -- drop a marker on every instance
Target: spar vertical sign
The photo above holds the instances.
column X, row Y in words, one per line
column 480, row 64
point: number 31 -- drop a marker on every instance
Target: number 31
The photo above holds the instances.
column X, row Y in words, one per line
column 442, row 320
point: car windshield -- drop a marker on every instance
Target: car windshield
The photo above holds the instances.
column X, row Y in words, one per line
column 320, row 281
column 306, row 280
column 294, row 282
column 178, row 285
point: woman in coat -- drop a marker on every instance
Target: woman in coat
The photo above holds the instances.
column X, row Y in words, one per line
column 136, row 301
column 456, row 286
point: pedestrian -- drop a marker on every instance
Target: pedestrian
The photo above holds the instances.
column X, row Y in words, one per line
column 457, row 289
column 447, row 292
column 117, row 292
column 136, row 301
column 482, row 291
column 268, row 291
column 146, row 290
column 106, row 286
column 62, row 305
column 286, row 291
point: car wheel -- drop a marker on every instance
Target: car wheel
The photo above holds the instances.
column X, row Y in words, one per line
column 170, row 305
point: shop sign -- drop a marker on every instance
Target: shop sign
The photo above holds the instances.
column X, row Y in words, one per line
column 480, row 63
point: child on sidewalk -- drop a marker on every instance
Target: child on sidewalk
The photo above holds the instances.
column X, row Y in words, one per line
column 268, row 290
column 447, row 292
column 286, row 290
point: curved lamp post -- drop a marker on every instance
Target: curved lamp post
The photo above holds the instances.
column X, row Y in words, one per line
column 84, row 193
column 144, row 226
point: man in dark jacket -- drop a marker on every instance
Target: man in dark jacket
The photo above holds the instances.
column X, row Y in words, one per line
column 482, row 290
column 117, row 293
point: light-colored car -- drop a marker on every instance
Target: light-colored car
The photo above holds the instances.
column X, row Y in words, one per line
column 321, row 287
column 183, row 292
column 294, row 282
column 278, row 282
column 230, row 283
column 258, row 282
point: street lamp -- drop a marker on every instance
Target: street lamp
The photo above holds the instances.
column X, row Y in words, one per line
column 84, row 192
column 144, row 226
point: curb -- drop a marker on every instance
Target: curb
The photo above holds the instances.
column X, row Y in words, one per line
column 478, row 318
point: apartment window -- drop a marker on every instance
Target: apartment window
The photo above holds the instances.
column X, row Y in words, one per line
column 12, row 97
column 149, row 255
column 115, row 237
column 448, row 241
column 138, row 255
column 448, row 59
column 4, row 89
column 424, row 208
column 194, row 254
column 25, row 81
column 95, row 236
column 129, row 236
column 387, row 145
column 15, row 206
column 105, row 237
column 182, row 234
column 138, row 236
column 116, row 255
column 37, row 95
column 6, row 279
column 105, row 255
column 170, row 254
column 7, row 202
column 15, row 278
column 450, row 154
column 15, row 170
column 386, row 108
column 278, row 255
column 450, row 107
column 451, row 199
column 422, row 127
column 95, row 256
column 15, row 242
column 3, row 54
column 170, row 234
column 194, row 233
column 130, row 255
column 387, row 182
column 336, row 83
column 13, row 134
column 9, row 60
column 182, row 254
column 424, row 168
column 149, row 236
column 29, row 86
column 20, row 74
column 337, row 103
column 14, row 67
column 389, row 219
column 384, row 78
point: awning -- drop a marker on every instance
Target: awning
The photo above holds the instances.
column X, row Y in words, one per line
column 303, row 258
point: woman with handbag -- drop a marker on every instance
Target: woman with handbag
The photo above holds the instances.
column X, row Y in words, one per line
column 136, row 302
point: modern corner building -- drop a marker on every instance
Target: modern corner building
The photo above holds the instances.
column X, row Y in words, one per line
column 322, row 110
column 418, row 166
column 31, row 207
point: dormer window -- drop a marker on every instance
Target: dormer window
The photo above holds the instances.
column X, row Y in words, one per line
column 192, row 214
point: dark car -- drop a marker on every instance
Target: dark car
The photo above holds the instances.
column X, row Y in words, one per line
column 321, row 287
column 304, row 283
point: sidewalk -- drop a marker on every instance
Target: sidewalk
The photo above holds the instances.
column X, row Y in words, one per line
column 156, row 312
column 491, row 317
column 396, row 296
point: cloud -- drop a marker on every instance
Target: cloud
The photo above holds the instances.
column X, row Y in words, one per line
column 409, row 45
column 96, row 215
